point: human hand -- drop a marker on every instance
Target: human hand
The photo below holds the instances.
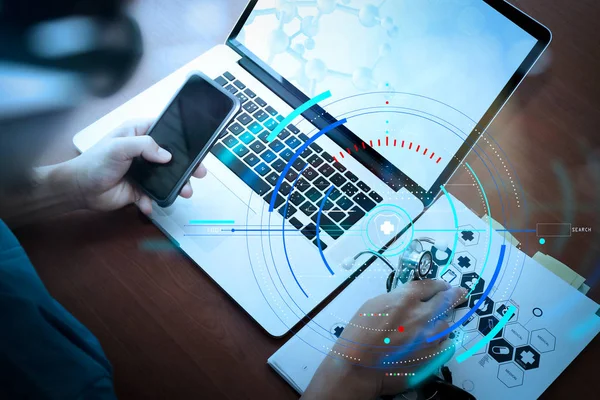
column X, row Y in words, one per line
column 100, row 172
column 416, row 307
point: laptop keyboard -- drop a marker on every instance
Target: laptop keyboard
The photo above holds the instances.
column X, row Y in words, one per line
column 244, row 149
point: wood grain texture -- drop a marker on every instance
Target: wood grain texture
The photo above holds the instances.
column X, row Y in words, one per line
column 170, row 332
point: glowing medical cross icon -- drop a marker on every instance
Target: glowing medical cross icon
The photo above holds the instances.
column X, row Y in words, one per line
column 527, row 357
column 387, row 228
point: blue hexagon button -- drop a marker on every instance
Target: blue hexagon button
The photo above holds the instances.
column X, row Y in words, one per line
column 516, row 334
column 510, row 374
column 543, row 341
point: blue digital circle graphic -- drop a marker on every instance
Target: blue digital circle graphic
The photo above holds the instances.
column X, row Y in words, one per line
column 397, row 210
column 287, row 303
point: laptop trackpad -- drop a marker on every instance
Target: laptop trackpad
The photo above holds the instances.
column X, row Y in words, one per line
column 214, row 209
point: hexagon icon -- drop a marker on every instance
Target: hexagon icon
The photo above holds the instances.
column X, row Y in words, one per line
column 432, row 274
column 542, row 340
column 516, row 334
column 500, row 350
column 501, row 310
column 470, row 323
column 510, row 374
column 486, row 308
column 336, row 330
column 470, row 280
column 439, row 258
column 470, row 339
column 451, row 275
column 468, row 235
column 527, row 357
column 487, row 323
column 464, row 262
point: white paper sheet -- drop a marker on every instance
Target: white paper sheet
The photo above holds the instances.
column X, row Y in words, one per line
column 553, row 324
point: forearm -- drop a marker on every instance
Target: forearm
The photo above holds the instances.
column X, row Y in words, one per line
column 53, row 191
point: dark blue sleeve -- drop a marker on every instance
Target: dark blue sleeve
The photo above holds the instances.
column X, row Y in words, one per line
column 45, row 353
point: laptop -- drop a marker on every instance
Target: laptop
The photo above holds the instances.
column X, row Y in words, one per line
column 400, row 94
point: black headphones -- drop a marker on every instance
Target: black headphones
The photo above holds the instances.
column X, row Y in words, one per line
column 94, row 40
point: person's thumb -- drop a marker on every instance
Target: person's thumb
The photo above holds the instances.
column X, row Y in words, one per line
column 128, row 148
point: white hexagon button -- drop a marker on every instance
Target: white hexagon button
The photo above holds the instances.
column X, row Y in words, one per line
column 510, row 374
column 543, row 341
column 468, row 235
column 464, row 262
column 451, row 275
column 516, row 334
column 470, row 339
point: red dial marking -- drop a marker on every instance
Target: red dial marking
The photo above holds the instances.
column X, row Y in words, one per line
column 387, row 144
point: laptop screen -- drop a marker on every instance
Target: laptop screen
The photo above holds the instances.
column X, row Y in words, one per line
column 440, row 65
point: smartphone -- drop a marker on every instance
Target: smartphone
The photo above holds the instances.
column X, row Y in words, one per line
column 188, row 128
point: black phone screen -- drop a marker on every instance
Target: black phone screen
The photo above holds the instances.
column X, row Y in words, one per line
column 184, row 129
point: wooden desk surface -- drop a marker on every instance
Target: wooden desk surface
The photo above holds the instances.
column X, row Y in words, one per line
column 170, row 332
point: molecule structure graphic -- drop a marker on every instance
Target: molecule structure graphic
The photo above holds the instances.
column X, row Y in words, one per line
column 300, row 43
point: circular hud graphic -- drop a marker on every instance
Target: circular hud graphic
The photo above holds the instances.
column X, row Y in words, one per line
column 321, row 196
column 323, row 205
column 322, row 210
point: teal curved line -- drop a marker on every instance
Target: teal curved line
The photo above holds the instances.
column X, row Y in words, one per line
column 431, row 368
column 487, row 205
column 455, row 225
column 288, row 120
column 485, row 340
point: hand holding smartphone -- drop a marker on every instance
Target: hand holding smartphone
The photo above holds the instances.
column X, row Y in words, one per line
column 188, row 128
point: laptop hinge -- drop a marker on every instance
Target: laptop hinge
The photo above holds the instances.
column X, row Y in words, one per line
column 321, row 119
column 286, row 95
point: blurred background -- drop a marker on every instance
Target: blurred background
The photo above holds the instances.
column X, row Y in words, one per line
column 174, row 33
